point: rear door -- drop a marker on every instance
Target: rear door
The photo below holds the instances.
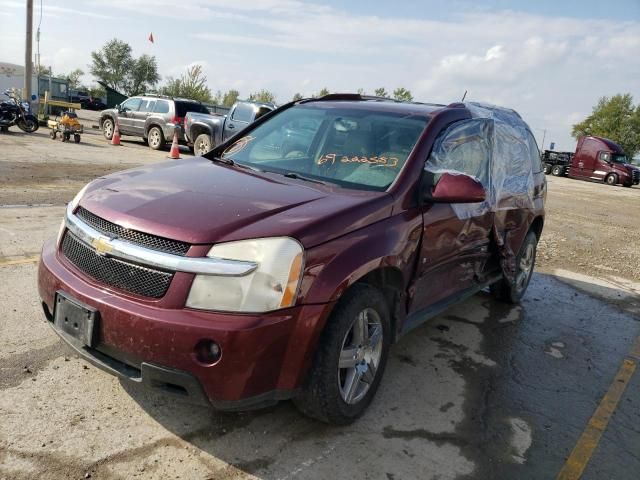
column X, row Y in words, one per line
column 455, row 238
column 140, row 117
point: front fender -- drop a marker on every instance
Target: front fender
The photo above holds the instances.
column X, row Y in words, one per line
column 331, row 268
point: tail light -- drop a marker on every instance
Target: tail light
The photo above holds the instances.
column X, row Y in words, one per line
column 178, row 120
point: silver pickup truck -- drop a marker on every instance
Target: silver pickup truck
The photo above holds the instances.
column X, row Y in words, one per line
column 204, row 131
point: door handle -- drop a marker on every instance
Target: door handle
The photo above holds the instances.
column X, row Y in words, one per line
column 231, row 126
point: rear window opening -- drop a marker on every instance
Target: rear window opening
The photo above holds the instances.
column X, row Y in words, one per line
column 182, row 108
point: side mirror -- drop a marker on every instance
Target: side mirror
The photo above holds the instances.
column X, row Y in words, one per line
column 454, row 188
column 118, row 107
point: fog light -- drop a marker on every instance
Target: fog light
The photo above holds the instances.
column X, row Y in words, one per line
column 207, row 352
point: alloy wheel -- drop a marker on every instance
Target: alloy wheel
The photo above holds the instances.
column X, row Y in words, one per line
column 525, row 267
column 360, row 356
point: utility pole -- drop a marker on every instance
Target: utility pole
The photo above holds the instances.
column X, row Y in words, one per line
column 28, row 62
column 544, row 135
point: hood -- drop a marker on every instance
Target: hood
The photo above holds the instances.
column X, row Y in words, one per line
column 201, row 202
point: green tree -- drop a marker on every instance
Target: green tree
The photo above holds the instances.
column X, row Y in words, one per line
column 402, row 94
column 142, row 76
column 41, row 70
column 263, row 96
column 361, row 91
column 381, row 92
column 192, row 84
column 297, row 96
column 615, row 118
column 115, row 65
column 97, row 91
column 74, row 78
column 217, row 98
column 230, row 97
column 323, row 92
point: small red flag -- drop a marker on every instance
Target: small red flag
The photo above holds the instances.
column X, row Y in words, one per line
column 151, row 37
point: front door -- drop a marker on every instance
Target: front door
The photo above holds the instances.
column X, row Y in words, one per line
column 237, row 121
column 126, row 115
column 455, row 237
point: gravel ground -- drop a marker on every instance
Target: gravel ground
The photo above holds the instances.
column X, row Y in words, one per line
column 591, row 229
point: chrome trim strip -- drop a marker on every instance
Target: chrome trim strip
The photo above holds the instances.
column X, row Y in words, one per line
column 151, row 258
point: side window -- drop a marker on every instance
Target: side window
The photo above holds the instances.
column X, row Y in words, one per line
column 605, row 156
column 464, row 147
column 132, row 104
column 242, row 113
column 534, row 154
column 147, row 105
column 161, row 106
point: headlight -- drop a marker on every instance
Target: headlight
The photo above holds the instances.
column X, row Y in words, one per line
column 73, row 204
column 272, row 285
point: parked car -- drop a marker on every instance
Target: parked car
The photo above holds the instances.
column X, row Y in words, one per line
column 595, row 159
column 204, row 131
column 94, row 104
column 274, row 268
column 154, row 118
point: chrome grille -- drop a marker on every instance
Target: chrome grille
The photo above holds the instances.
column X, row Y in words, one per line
column 139, row 238
column 636, row 175
column 144, row 281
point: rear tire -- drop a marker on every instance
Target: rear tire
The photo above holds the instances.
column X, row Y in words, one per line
column 76, row 138
column 611, row 179
column 345, row 376
column 557, row 171
column 52, row 134
column 547, row 168
column 155, row 138
column 512, row 292
column 202, row 144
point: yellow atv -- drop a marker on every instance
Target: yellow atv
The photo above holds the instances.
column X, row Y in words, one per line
column 66, row 125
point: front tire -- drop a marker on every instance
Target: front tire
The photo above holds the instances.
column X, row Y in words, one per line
column 202, row 144
column 155, row 138
column 512, row 292
column 107, row 128
column 611, row 179
column 547, row 168
column 350, row 359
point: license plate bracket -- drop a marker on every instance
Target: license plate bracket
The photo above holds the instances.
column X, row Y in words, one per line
column 75, row 319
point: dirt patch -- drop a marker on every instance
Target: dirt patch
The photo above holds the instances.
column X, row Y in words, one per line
column 592, row 229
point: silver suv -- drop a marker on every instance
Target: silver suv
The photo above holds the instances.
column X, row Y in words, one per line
column 154, row 118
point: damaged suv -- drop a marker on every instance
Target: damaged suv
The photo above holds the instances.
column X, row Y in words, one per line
column 285, row 262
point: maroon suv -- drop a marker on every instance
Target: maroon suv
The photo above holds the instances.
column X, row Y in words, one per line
column 285, row 262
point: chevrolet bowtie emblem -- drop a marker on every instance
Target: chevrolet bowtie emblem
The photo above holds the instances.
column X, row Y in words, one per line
column 102, row 245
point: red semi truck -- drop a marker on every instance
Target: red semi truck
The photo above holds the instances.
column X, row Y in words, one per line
column 595, row 159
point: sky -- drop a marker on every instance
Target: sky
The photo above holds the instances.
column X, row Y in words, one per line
column 549, row 60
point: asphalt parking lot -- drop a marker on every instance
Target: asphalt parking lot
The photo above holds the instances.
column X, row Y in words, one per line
column 486, row 390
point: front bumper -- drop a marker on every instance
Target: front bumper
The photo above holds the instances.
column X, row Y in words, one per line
column 264, row 357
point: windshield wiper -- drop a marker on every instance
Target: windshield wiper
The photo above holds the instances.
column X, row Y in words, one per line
column 226, row 161
column 301, row 177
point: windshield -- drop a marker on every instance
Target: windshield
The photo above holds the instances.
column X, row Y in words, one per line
column 617, row 158
column 361, row 148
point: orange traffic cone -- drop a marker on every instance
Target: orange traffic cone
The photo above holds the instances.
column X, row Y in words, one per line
column 115, row 138
column 175, row 150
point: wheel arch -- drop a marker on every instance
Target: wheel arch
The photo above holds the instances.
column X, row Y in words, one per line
column 537, row 225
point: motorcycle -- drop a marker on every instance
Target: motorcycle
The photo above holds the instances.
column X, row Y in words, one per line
column 16, row 112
